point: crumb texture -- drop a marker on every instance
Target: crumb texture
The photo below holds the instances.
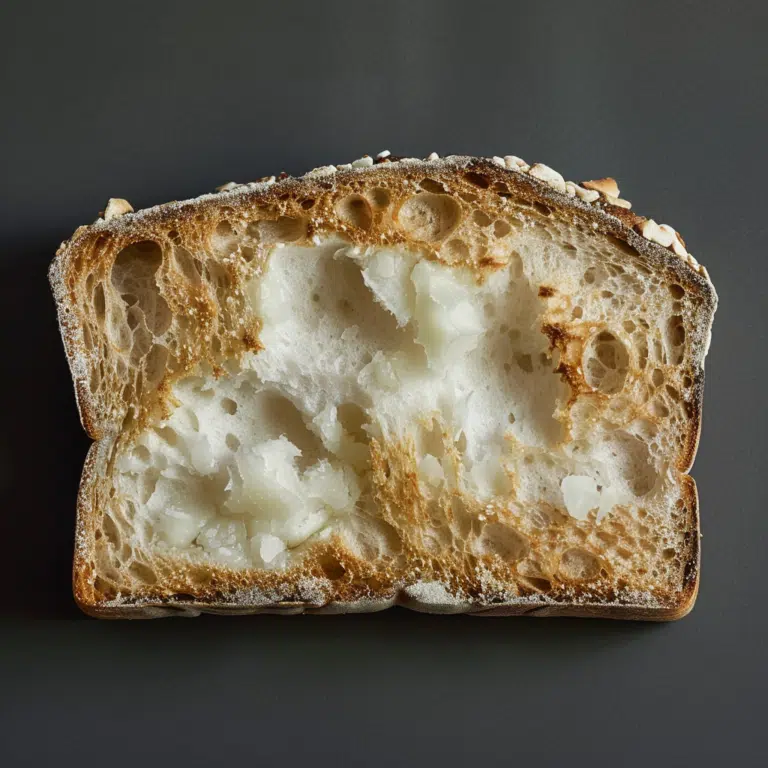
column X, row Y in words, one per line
column 441, row 389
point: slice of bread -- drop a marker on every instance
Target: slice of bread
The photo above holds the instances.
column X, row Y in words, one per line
column 458, row 385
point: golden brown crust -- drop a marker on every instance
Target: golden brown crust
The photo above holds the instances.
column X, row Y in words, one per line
column 224, row 590
column 83, row 568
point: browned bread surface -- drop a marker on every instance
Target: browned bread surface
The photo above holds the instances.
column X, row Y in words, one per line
column 151, row 303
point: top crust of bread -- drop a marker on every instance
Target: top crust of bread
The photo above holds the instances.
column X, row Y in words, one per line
column 103, row 409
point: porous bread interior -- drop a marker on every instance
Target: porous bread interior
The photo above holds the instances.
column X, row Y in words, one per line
column 500, row 403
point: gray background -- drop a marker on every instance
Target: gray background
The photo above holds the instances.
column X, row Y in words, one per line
column 161, row 101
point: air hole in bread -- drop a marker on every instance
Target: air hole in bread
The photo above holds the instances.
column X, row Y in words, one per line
column 677, row 291
column 429, row 217
column 286, row 229
column 133, row 275
column 331, row 567
column 224, row 229
column 142, row 453
column 642, row 353
column 624, row 247
column 606, row 363
column 515, row 265
column 104, row 588
column 99, row 303
column 232, row 442
column 355, row 211
column 578, row 564
column 308, row 203
column 353, row 419
column 216, row 276
column 478, row 179
column 677, row 331
column 675, row 338
column 501, row 228
column 455, row 251
column 94, row 380
column 109, row 528
column 87, row 337
column 142, row 573
column 435, row 187
column 537, row 583
column 118, row 330
column 524, row 362
column 481, row 218
column 279, row 416
column 189, row 266
column 379, row 197
column 502, row 541
column 168, row 434
column 134, row 317
column 229, row 406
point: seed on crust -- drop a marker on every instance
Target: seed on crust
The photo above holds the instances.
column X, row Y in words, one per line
column 117, row 207
column 548, row 175
column 606, row 186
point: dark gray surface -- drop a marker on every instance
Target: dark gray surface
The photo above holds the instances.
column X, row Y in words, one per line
column 161, row 101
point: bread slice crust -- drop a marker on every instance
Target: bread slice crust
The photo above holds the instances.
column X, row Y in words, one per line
column 228, row 591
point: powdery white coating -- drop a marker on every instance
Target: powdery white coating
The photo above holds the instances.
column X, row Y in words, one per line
column 436, row 597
